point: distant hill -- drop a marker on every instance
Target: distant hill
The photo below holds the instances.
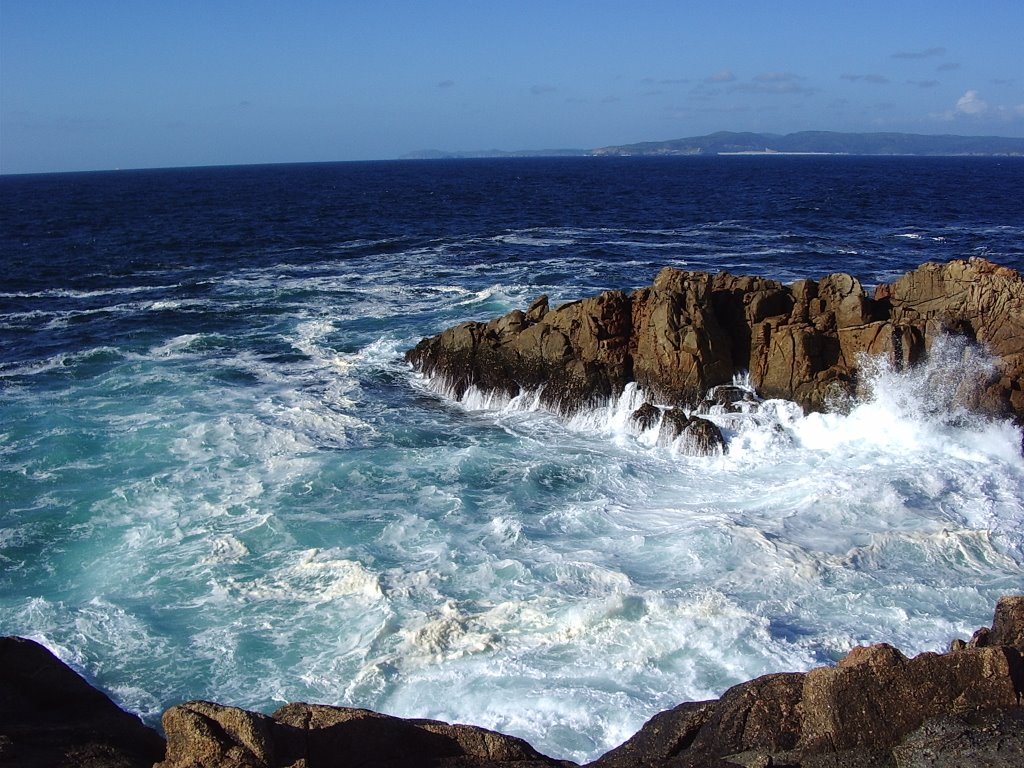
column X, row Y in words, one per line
column 822, row 142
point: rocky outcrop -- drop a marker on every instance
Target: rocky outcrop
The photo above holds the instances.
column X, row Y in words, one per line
column 875, row 708
column 691, row 331
column 201, row 734
column 49, row 716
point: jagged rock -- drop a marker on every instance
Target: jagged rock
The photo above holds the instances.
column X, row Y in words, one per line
column 663, row 737
column 690, row 331
column 50, row 716
column 875, row 709
column 205, row 735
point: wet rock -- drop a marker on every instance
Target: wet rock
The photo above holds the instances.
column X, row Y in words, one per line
column 691, row 331
column 645, row 417
column 694, row 435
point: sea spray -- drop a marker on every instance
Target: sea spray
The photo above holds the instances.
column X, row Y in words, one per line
column 220, row 480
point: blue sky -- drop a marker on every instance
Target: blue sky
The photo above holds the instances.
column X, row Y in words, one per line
column 103, row 84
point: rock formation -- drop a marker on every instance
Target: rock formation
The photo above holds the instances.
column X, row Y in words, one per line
column 49, row 716
column 875, row 709
column 200, row 733
column 691, row 331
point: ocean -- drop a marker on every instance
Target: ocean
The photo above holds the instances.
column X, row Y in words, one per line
column 220, row 480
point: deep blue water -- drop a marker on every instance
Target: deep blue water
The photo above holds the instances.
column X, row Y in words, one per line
column 219, row 479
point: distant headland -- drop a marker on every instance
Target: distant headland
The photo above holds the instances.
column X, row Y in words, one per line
column 801, row 143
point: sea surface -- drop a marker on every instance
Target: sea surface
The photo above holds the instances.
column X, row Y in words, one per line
column 219, row 479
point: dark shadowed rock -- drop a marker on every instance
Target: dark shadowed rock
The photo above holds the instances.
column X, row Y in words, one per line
column 645, row 417
column 691, row 331
column 50, row 716
column 696, row 436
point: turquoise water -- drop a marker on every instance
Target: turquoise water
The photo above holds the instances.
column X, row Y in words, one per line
column 219, row 479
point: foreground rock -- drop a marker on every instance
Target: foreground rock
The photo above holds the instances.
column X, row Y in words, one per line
column 49, row 716
column 875, row 709
column 691, row 331
column 314, row 736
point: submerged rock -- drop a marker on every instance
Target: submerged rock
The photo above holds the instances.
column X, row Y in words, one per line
column 691, row 331
column 696, row 436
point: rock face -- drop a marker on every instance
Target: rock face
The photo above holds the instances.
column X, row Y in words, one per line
column 875, row 709
column 201, row 734
column 49, row 716
column 691, row 331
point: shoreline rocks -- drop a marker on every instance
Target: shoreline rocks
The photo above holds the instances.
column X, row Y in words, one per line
column 875, row 709
column 691, row 331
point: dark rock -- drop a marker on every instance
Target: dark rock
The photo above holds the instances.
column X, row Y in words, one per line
column 875, row 709
column 700, row 437
column 645, row 417
column 50, row 716
column 691, row 331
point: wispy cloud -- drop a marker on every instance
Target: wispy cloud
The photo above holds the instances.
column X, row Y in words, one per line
column 948, row 66
column 446, row 84
column 925, row 54
column 774, row 82
column 874, row 79
column 924, row 83
column 725, row 76
column 540, row 90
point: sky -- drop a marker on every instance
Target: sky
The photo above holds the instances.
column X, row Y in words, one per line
column 134, row 83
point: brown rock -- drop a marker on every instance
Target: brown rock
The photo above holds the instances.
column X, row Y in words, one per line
column 204, row 735
column 876, row 696
column 691, row 331
column 665, row 736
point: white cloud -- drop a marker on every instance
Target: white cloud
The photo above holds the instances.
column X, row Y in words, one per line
column 971, row 104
